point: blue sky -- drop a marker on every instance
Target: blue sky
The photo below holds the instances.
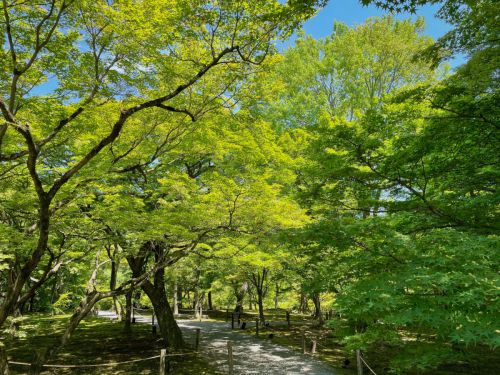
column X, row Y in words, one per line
column 353, row 13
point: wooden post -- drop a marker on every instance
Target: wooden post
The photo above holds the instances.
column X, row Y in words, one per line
column 37, row 367
column 197, row 342
column 230, row 357
column 288, row 318
column 358, row 362
column 257, row 327
column 227, row 315
column 232, row 321
column 163, row 361
column 313, row 346
column 303, row 333
column 4, row 363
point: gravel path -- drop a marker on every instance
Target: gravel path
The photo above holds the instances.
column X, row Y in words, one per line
column 251, row 355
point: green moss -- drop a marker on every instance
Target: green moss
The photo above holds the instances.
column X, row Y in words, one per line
column 95, row 341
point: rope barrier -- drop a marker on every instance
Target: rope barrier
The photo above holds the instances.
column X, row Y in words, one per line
column 366, row 364
column 103, row 364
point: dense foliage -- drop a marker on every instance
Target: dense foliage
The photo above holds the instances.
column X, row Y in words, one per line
column 174, row 163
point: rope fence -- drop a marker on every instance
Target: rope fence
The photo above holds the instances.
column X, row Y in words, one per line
column 109, row 364
column 360, row 361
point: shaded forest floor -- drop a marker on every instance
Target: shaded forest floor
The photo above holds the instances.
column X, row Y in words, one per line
column 95, row 341
column 103, row 341
column 331, row 351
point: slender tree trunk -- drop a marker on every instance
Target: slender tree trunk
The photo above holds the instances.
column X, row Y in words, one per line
column 175, row 302
column 113, row 276
column 240, row 295
column 276, row 297
column 260, row 302
column 128, row 312
column 196, row 304
column 259, row 280
column 179, row 297
column 12, row 295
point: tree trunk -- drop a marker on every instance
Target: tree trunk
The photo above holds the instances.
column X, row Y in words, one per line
column 260, row 302
column 113, row 277
column 175, row 302
column 258, row 280
column 210, row 306
column 179, row 297
column 169, row 330
column 11, row 297
column 240, row 295
column 317, row 308
column 276, row 296
column 81, row 312
column 303, row 305
column 128, row 312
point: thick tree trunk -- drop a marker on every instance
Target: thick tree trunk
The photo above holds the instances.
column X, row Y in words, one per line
column 317, row 308
column 210, row 307
column 169, row 330
column 303, row 305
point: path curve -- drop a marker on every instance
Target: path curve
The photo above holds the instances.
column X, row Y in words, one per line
column 251, row 355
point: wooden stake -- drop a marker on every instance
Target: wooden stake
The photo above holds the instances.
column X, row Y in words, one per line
column 230, row 357
column 303, row 341
column 197, row 342
column 313, row 346
column 163, row 361
column 358, row 362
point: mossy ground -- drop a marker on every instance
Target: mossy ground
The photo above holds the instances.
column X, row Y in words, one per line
column 483, row 361
column 96, row 340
